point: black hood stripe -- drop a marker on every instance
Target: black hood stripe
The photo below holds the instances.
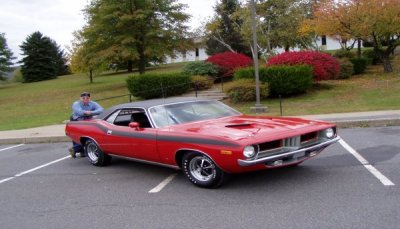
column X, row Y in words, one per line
column 166, row 138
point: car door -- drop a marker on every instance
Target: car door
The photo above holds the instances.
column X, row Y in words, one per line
column 137, row 142
column 145, row 145
column 115, row 141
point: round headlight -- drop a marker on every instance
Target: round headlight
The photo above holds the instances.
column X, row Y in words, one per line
column 249, row 151
column 329, row 133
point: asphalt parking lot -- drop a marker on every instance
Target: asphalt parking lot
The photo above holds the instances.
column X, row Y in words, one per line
column 352, row 184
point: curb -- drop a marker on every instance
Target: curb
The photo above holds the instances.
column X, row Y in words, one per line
column 32, row 140
column 343, row 124
column 366, row 123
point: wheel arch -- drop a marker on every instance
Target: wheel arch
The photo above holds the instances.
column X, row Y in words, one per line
column 84, row 139
column 179, row 156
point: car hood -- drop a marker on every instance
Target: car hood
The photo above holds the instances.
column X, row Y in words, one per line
column 251, row 128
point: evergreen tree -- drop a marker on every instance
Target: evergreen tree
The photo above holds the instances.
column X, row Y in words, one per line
column 224, row 30
column 133, row 31
column 43, row 59
column 5, row 57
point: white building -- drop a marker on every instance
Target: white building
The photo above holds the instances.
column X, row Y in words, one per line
column 199, row 52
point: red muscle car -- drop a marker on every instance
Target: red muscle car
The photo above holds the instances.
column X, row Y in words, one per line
column 205, row 138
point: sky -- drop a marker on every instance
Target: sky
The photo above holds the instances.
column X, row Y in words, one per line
column 58, row 19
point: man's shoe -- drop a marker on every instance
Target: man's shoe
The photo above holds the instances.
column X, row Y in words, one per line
column 82, row 154
column 72, row 152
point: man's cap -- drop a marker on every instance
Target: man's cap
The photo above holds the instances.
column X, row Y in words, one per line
column 85, row 94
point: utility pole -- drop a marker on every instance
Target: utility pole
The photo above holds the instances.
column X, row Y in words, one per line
column 258, row 107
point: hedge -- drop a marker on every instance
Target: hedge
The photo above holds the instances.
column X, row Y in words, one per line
column 346, row 69
column 200, row 68
column 281, row 79
column 156, row 85
column 201, row 82
column 228, row 62
column 360, row 64
column 244, row 90
column 325, row 66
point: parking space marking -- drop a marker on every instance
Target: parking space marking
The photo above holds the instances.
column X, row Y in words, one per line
column 11, row 147
column 382, row 178
column 32, row 170
column 164, row 183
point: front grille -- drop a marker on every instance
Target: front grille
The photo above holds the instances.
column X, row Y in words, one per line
column 293, row 142
column 308, row 137
column 270, row 145
column 286, row 145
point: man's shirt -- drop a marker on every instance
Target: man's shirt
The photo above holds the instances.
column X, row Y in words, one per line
column 78, row 109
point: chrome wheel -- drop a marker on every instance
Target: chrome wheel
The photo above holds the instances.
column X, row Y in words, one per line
column 202, row 168
column 202, row 171
column 95, row 155
column 92, row 151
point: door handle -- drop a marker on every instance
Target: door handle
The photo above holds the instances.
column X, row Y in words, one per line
column 109, row 132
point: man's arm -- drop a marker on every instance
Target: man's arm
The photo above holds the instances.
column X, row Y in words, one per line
column 97, row 109
column 77, row 110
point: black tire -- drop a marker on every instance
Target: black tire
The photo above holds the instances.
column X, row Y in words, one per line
column 95, row 155
column 202, row 171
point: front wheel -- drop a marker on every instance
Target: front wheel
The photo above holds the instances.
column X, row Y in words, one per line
column 95, row 155
column 202, row 171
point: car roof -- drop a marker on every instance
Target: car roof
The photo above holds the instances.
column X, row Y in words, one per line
column 150, row 103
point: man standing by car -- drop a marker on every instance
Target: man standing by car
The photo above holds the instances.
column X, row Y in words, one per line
column 83, row 109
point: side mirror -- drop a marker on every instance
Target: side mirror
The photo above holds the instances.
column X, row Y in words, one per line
column 134, row 125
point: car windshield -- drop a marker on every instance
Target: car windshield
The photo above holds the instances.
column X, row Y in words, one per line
column 178, row 113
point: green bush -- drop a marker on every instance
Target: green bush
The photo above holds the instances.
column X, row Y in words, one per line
column 371, row 55
column 282, row 79
column 346, row 69
column 343, row 53
column 289, row 80
column 200, row 68
column 244, row 90
column 360, row 64
column 156, row 85
column 201, row 82
column 248, row 73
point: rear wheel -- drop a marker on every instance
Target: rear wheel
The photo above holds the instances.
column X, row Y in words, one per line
column 95, row 155
column 202, row 171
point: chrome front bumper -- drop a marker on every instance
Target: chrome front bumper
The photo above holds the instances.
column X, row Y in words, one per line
column 276, row 157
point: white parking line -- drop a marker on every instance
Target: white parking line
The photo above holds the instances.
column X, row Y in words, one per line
column 11, row 147
column 164, row 183
column 34, row 169
column 385, row 181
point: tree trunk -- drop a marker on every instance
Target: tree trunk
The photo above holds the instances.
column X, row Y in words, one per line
column 142, row 59
column 359, row 48
column 91, row 75
column 130, row 66
column 384, row 56
column 142, row 63
column 387, row 65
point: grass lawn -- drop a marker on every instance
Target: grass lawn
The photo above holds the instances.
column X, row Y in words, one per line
column 49, row 102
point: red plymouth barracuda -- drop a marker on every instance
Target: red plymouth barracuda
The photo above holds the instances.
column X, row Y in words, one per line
column 205, row 138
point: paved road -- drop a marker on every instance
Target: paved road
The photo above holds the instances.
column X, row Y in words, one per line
column 333, row 190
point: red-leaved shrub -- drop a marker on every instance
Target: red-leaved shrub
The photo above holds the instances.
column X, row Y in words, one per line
column 228, row 62
column 325, row 67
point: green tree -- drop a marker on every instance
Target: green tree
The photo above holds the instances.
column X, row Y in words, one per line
column 6, row 57
column 281, row 21
column 223, row 30
column 83, row 57
column 43, row 58
column 133, row 31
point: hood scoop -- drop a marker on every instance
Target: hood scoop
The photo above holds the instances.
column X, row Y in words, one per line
column 239, row 125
